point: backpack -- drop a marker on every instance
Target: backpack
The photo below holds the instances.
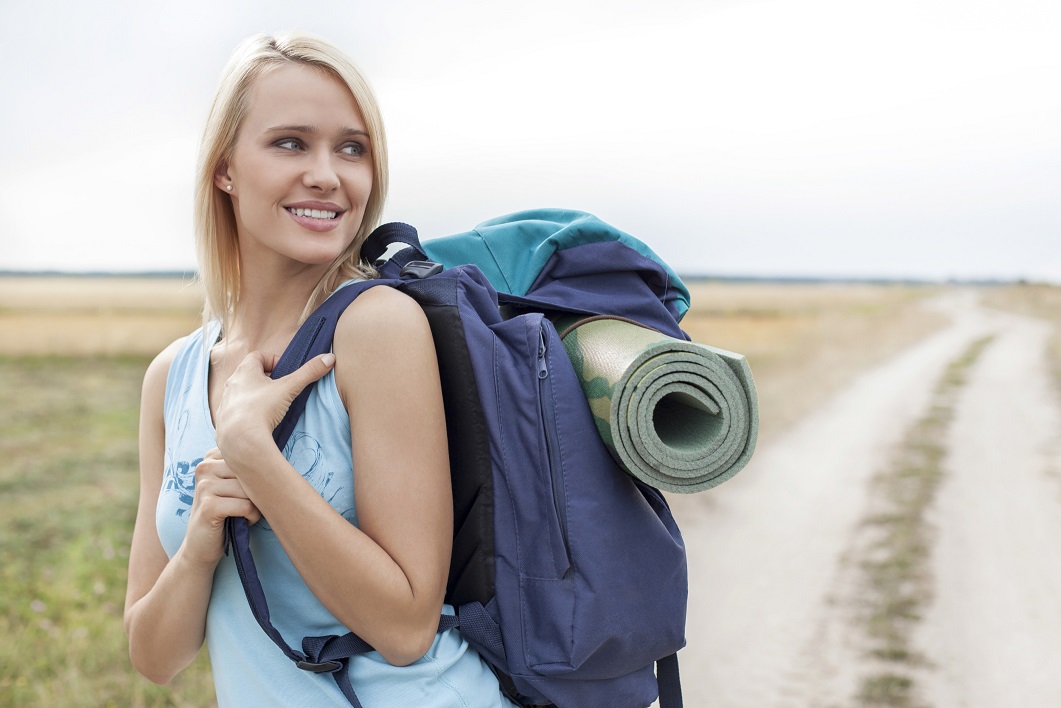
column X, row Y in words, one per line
column 568, row 575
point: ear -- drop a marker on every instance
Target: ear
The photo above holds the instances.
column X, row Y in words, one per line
column 222, row 180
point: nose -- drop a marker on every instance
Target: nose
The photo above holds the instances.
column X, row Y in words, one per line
column 320, row 174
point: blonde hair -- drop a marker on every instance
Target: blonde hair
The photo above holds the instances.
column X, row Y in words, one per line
column 215, row 221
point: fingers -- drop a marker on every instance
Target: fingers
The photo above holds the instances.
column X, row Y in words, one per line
column 260, row 360
column 213, row 454
column 219, row 494
column 252, row 404
column 213, row 465
column 215, row 509
column 262, row 363
column 309, row 372
column 252, row 515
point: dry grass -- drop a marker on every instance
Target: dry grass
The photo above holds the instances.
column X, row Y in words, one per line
column 806, row 342
column 88, row 294
column 92, row 316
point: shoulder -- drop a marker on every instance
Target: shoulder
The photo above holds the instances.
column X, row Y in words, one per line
column 382, row 332
column 158, row 370
column 153, row 393
column 185, row 352
column 382, row 306
column 381, row 317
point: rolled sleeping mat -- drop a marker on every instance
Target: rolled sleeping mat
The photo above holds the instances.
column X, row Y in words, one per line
column 679, row 416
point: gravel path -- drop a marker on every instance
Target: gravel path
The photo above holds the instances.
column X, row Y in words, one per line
column 771, row 577
column 994, row 629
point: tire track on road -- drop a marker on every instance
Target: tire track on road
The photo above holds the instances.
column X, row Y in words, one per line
column 994, row 629
column 893, row 546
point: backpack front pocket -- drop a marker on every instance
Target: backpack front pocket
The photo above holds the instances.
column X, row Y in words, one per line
column 548, row 608
column 532, row 453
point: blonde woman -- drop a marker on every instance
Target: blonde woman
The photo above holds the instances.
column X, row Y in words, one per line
column 352, row 521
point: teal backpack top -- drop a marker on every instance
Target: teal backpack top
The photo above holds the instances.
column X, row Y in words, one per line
column 563, row 256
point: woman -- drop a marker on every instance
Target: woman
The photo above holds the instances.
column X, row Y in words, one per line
column 348, row 533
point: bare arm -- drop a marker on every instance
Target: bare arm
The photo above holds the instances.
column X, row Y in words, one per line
column 384, row 580
column 166, row 599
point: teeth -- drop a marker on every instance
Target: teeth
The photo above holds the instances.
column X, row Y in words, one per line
column 313, row 213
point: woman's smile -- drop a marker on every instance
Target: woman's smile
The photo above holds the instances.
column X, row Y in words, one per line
column 316, row 216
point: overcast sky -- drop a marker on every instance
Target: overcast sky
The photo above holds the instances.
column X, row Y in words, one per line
column 737, row 137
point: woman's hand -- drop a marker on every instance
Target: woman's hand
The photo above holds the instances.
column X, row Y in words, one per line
column 252, row 405
column 218, row 495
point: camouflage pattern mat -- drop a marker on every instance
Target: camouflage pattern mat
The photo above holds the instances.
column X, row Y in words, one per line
column 680, row 416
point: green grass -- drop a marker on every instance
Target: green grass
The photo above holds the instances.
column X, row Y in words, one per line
column 887, row 690
column 895, row 570
column 68, row 490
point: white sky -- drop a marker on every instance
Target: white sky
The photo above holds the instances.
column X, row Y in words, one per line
column 754, row 137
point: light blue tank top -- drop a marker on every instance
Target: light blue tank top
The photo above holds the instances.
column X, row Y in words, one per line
column 248, row 669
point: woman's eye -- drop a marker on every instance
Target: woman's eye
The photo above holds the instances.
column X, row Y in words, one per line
column 288, row 144
column 355, row 149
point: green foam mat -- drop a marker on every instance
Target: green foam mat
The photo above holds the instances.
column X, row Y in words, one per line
column 680, row 416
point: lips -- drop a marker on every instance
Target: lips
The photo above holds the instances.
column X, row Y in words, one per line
column 316, row 216
column 314, row 213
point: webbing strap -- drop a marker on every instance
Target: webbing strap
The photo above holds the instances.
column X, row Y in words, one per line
column 476, row 622
column 332, row 654
column 313, row 338
column 381, row 243
column 670, row 685
column 323, row 654
column 238, row 531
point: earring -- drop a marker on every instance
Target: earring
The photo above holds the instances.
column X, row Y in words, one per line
column 228, row 187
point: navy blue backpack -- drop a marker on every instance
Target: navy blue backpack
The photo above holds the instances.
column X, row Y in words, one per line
column 567, row 575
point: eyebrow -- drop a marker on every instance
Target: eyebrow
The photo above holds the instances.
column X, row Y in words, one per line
column 312, row 130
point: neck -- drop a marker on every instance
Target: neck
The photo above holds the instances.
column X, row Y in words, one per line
column 269, row 308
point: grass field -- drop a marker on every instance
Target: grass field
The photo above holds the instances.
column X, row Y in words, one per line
column 72, row 353
column 805, row 342
column 94, row 316
column 68, row 490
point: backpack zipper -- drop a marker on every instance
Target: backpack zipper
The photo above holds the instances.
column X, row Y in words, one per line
column 548, row 413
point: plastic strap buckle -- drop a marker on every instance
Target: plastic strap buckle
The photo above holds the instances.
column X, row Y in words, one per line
column 322, row 667
column 421, row 269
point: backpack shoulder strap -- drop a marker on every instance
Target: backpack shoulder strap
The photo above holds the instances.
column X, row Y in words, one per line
column 328, row 654
column 314, row 337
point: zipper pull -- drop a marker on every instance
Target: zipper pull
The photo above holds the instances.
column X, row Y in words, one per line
column 543, row 369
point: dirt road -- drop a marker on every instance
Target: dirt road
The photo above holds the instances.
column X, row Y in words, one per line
column 775, row 572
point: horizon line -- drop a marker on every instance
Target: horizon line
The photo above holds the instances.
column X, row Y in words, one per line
column 686, row 277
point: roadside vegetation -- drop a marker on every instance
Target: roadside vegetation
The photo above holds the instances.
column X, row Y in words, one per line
column 896, row 543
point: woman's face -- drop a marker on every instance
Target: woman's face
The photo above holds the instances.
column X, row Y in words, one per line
column 301, row 170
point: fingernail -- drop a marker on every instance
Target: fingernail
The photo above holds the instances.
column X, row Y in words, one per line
column 328, row 359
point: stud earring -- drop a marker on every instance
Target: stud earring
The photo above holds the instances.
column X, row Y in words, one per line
column 228, row 187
